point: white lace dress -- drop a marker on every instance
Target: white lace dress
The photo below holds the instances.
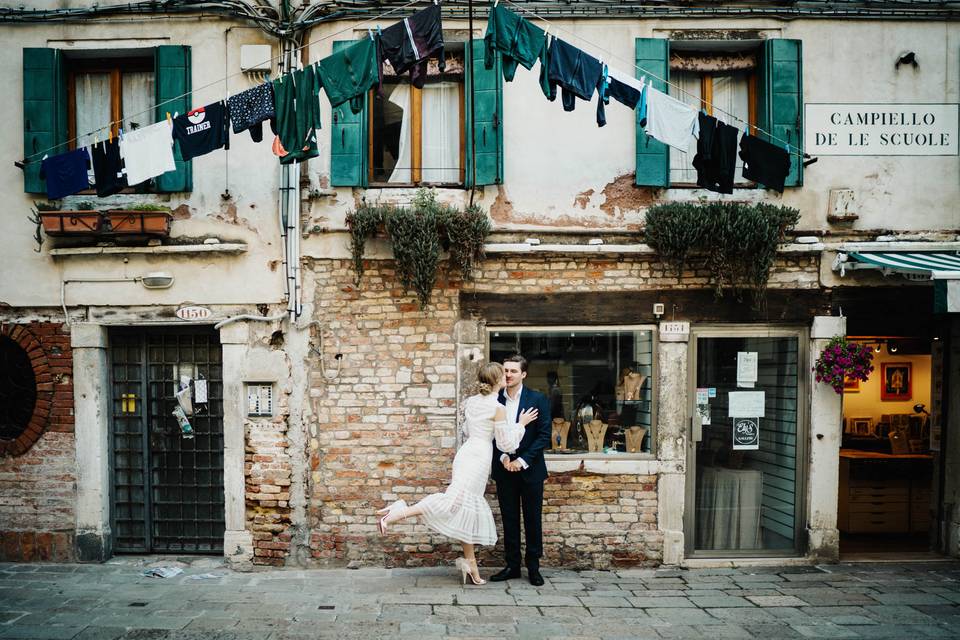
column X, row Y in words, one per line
column 461, row 512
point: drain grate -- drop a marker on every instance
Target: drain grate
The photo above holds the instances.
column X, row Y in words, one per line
column 327, row 607
column 138, row 604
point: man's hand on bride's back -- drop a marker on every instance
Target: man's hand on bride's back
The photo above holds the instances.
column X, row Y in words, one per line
column 527, row 416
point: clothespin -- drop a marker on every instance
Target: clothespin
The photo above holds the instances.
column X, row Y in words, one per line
column 110, row 134
column 169, row 119
column 370, row 32
column 379, row 30
column 496, row 2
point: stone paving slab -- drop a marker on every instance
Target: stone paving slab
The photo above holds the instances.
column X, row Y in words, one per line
column 87, row 602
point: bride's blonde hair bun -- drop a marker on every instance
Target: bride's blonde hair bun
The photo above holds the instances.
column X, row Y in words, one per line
column 489, row 377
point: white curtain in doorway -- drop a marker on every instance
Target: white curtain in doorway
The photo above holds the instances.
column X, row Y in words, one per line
column 93, row 106
column 137, row 100
column 441, row 133
column 400, row 96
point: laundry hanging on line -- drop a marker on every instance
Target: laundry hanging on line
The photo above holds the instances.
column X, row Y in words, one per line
column 577, row 74
column 763, row 162
column 408, row 44
column 147, row 152
column 297, row 114
column 65, row 173
column 203, row 130
column 109, row 174
column 291, row 104
column 716, row 159
column 347, row 75
column 669, row 120
column 251, row 108
column 519, row 42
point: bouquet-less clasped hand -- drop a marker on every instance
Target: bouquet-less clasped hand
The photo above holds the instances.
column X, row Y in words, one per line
column 526, row 417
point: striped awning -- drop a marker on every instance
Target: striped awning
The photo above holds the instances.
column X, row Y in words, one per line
column 932, row 263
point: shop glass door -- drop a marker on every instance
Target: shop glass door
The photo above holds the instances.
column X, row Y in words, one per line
column 746, row 445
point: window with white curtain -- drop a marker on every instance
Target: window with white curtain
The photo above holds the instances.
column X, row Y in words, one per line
column 416, row 135
column 108, row 91
column 724, row 95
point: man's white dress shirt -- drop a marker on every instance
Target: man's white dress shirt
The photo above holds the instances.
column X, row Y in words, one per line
column 512, row 407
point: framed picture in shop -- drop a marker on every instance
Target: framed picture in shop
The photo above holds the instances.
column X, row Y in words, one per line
column 896, row 381
column 851, row 385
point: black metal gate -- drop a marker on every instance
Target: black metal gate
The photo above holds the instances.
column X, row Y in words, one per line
column 167, row 489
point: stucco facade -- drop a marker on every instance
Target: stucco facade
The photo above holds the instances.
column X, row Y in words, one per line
column 367, row 386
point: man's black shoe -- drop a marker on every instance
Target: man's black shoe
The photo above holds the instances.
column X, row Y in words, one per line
column 507, row 573
column 535, row 578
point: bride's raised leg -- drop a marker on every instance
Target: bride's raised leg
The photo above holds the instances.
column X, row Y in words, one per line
column 396, row 512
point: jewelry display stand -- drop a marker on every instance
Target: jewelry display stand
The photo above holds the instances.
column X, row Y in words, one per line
column 635, row 439
column 559, row 430
column 596, row 430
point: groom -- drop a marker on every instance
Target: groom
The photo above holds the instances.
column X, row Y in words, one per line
column 520, row 475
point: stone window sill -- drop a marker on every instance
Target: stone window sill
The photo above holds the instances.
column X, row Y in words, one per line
column 634, row 463
column 173, row 249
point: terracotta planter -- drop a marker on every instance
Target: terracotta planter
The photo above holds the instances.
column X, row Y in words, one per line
column 142, row 222
column 62, row 223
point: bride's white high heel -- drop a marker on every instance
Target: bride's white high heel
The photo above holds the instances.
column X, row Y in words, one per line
column 466, row 570
column 388, row 511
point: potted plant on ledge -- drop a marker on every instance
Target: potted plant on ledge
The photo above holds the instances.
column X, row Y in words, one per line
column 147, row 219
column 82, row 220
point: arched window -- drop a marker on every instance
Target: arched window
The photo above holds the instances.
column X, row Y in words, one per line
column 18, row 389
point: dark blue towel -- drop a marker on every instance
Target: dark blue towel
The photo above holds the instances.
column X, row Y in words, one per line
column 66, row 173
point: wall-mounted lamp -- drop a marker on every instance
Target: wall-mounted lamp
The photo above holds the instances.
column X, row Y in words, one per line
column 907, row 57
column 892, row 347
column 157, row 280
column 877, row 348
column 920, row 408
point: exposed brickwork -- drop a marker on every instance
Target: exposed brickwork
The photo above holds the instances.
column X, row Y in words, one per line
column 385, row 428
column 36, row 546
column 267, row 474
column 38, row 470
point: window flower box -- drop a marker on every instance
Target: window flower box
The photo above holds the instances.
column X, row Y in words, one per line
column 144, row 222
column 63, row 223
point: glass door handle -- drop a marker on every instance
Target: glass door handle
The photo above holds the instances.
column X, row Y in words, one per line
column 696, row 428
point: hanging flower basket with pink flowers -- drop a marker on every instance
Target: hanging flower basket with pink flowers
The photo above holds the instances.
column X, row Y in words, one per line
column 842, row 360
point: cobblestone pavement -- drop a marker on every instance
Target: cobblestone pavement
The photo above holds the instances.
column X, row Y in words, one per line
column 210, row 602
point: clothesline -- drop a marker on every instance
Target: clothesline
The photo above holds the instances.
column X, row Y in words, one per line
column 552, row 25
column 290, row 103
column 110, row 124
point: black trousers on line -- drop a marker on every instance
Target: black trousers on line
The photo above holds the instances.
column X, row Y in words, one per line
column 514, row 497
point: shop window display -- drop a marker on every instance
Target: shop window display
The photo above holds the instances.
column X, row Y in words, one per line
column 599, row 383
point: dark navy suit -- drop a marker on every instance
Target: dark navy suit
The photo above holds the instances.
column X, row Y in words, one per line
column 522, row 491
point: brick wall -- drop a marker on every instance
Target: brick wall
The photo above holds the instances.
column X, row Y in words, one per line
column 385, row 428
column 38, row 471
column 267, row 474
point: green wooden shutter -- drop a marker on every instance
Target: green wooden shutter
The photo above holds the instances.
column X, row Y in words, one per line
column 782, row 100
column 653, row 156
column 348, row 140
column 44, row 113
column 484, row 119
column 173, row 85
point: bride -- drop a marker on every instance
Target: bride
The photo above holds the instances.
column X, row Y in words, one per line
column 461, row 512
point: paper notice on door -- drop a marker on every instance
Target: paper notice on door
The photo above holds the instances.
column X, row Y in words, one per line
column 703, row 396
column 746, row 404
column 746, row 368
column 200, row 391
column 746, row 433
column 703, row 410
